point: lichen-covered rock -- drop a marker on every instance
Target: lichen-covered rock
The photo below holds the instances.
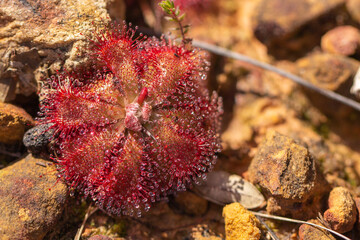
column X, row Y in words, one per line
column 190, row 203
column 38, row 37
column 343, row 40
column 288, row 176
column 240, row 224
column 14, row 121
column 279, row 31
column 32, row 199
column 341, row 215
column 307, row 232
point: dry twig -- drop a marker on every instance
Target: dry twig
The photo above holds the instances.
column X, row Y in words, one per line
column 227, row 53
column 90, row 211
column 271, row 232
column 299, row 221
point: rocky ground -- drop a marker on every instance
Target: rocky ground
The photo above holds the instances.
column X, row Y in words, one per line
column 298, row 147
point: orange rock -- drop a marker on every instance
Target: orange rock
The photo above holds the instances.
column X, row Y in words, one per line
column 240, row 224
column 307, row 232
column 341, row 214
column 288, row 176
column 14, row 121
column 32, row 199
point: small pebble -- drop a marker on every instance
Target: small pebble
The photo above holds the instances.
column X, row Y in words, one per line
column 307, row 232
column 14, row 121
column 341, row 215
column 100, row 237
column 343, row 40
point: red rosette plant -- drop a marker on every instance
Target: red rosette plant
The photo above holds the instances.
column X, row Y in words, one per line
column 140, row 127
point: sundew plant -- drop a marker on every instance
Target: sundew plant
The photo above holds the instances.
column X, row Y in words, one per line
column 140, row 126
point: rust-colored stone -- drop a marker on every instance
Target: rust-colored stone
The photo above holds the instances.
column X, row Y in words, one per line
column 14, row 121
column 341, row 215
column 32, row 199
column 343, row 40
column 288, row 176
column 307, row 232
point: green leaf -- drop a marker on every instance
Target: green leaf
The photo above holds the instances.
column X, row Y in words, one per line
column 182, row 17
column 170, row 19
column 166, row 6
column 177, row 11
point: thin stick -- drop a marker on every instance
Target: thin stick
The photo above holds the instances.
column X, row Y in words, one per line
column 17, row 155
column 299, row 221
column 271, row 232
column 90, row 211
column 227, row 53
column 41, row 164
